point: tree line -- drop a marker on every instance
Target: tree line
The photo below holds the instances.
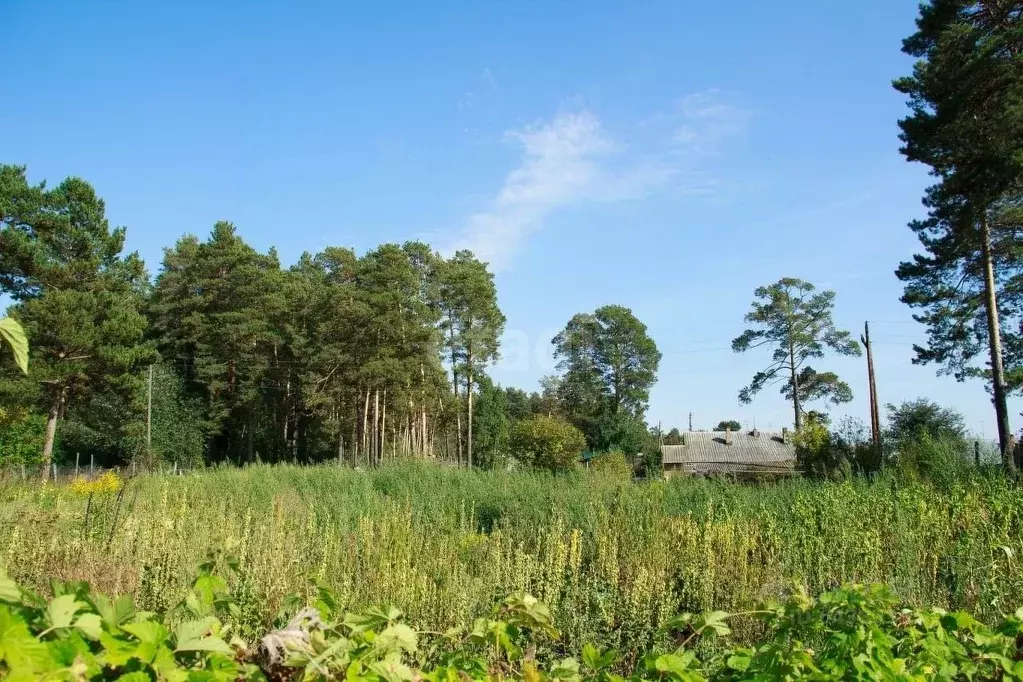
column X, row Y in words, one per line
column 228, row 355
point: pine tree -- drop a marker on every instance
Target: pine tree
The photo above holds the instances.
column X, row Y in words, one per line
column 471, row 324
column 216, row 317
column 799, row 325
column 77, row 297
column 966, row 123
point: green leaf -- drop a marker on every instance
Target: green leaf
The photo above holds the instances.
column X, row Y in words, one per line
column 11, row 331
column 197, row 635
column 18, row 648
column 9, row 590
column 151, row 636
column 738, row 661
column 672, row 664
column 392, row 671
column 714, row 622
column 566, row 669
column 90, row 624
column 399, row 635
column 591, row 656
column 61, row 611
column 115, row 612
column 361, row 622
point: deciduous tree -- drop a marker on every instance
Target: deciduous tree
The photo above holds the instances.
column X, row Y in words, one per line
column 609, row 364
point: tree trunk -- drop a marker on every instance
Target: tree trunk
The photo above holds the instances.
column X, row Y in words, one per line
column 995, row 342
column 423, row 434
column 376, row 426
column 458, row 422
column 250, row 445
column 365, row 427
column 795, row 387
column 355, row 433
column 56, row 406
column 340, row 439
column 287, row 412
column 383, row 427
column 468, row 437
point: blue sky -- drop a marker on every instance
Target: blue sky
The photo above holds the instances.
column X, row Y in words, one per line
column 668, row 156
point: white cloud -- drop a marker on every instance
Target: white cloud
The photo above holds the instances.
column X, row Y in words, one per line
column 705, row 120
column 572, row 159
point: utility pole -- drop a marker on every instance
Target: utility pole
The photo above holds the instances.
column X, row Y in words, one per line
column 690, row 421
column 149, row 417
column 875, row 418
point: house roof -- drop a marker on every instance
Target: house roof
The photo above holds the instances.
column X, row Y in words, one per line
column 748, row 452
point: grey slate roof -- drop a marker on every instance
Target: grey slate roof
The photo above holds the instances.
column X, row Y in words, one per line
column 705, row 452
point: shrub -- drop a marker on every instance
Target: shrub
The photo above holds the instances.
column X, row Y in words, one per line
column 943, row 461
column 547, row 443
column 613, row 463
column 21, row 436
column 914, row 419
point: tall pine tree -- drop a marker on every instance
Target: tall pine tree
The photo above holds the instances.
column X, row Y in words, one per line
column 77, row 297
column 966, row 123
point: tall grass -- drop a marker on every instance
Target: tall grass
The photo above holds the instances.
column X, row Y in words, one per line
column 614, row 559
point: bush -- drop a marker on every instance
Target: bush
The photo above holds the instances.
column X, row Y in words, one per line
column 21, row 436
column 613, row 463
column 942, row 461
column 914, row 419
column 547, row 443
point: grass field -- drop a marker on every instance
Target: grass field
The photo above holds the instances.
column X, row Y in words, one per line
column 613, row 559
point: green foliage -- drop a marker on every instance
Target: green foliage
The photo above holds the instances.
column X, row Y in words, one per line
column 77, row 297
column 913, row 419
column 642, row 551
column 798, row 325
column 673, row 437
column 942, row 461
column 471, row 326
column 214, row 312
column 609, row 363
column 854, row 631
column 837, row 453
column 814, row 452
column 966, row 124
column 82, row 635
column 547, row 443
column 622, row 431
column 21, row 436
column 730, row 425
column 179, row 432
column 613, row 463
column 491, row 430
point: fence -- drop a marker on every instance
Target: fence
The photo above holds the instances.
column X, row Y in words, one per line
column 64, row 473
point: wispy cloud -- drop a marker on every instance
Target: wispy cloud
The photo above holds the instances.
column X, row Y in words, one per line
column 705, row 120
column 573, row 159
